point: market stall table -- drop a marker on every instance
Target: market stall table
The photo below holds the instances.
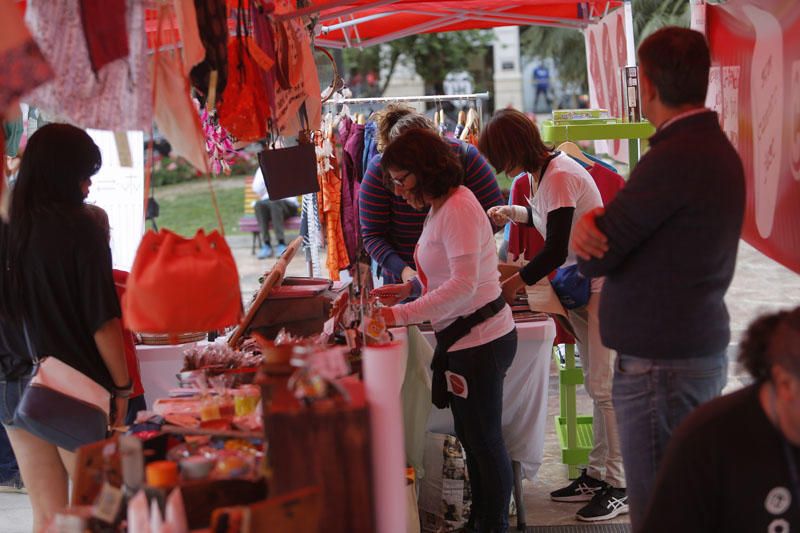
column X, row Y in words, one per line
column 524, row 396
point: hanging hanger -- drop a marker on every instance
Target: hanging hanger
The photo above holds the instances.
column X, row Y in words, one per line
column 471, row 122
column 462, row 117
column 572, row 149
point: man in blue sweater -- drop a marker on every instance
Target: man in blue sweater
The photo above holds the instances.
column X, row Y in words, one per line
column 667, row 246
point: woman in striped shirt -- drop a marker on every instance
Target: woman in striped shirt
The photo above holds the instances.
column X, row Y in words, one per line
column 390, row 228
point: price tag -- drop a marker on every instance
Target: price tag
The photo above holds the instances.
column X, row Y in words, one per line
column 106, row 506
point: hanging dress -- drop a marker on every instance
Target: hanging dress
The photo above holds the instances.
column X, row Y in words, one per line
column 330, row 202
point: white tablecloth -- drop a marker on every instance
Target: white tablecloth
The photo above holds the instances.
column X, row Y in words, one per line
column 525, row 393
column 158, row 366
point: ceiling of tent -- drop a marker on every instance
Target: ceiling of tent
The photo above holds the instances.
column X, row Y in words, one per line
column 361, row 23
column 354, row 23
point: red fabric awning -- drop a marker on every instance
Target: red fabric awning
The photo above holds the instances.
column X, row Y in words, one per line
column 368, row 23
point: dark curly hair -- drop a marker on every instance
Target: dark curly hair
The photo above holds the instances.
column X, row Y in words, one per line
column 386, row 118
column 772, row 339
column 512, row 140
column 429, row 157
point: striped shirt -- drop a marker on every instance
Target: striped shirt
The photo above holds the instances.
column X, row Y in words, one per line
column 390, row 227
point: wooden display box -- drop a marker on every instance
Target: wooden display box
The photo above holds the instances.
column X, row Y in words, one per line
column 329, row 448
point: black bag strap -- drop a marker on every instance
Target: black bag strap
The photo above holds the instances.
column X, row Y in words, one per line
column 29, row 345
column 463, row 325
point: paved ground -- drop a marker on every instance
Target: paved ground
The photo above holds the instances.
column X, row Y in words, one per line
column 760, row 285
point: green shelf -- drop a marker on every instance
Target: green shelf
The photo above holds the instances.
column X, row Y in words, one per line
column 574, row 431
column 574, row 130
column 578, row 454
column 591, row 130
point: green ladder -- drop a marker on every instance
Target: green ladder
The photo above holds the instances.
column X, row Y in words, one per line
column 574, row 432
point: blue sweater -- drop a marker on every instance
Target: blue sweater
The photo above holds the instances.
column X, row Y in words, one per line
column 673, row 233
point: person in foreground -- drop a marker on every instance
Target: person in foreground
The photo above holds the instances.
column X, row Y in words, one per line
column 732, row 465
column 667, row 245
column 390, row 228
column 564, row 190
column 56, row 283
column 456, row 260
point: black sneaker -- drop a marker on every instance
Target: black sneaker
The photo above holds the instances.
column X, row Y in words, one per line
column 605, row 505
column 580, row 490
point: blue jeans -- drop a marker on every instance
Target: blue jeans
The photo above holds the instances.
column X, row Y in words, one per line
column 651, row 398
column 478, row 424
column 10, row 395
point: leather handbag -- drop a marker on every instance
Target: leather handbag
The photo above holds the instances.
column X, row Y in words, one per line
column 291, row 171
column 180, row 285
column 62, row 405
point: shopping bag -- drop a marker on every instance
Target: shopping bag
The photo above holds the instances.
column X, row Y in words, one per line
column 178, row 285
column 291, row 171
column 444, row 495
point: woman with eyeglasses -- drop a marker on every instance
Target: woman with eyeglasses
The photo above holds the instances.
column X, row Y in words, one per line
column 456, row 261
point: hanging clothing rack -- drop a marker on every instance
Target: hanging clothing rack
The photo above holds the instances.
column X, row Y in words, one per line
column 478, row 98
column 429, row 98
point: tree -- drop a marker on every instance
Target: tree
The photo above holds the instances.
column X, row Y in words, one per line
column 433, row 55
column 566, row 46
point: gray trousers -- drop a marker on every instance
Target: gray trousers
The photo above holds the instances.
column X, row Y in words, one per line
column 274, row 211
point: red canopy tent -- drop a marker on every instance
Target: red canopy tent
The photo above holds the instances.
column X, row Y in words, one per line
column 360, row 24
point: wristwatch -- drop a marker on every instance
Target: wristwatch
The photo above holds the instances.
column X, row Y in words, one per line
column 122, row 392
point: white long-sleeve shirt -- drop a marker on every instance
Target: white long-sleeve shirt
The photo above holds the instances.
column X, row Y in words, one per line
column 456, row 259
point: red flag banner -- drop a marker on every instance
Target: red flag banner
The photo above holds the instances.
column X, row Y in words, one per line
column 755, row 87
column 606, row 53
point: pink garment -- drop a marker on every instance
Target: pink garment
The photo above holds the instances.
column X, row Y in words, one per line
column 117, row 98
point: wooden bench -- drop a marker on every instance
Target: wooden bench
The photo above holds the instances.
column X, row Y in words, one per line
column 249, row 224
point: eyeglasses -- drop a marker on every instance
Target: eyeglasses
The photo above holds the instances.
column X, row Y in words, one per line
column 401, row 181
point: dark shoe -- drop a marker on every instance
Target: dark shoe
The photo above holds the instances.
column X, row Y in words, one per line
column 13, row 485
column 580, row 490
column 266, row 251
column 605, row 505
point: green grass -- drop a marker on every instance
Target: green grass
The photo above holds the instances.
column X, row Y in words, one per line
column 186, row 208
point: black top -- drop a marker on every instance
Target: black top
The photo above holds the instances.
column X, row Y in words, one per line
column 69, row 290
column 673, row 233
column 725, row 470
column 555, row 249
column 15, row 360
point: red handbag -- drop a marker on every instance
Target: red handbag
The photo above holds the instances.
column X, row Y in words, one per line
column 179, row 285
column 245, row 105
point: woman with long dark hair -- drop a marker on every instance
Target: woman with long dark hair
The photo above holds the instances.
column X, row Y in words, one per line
column 456, row 260
column 56, row 283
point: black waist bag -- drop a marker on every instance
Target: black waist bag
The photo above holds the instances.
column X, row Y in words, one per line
column 447, row 338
